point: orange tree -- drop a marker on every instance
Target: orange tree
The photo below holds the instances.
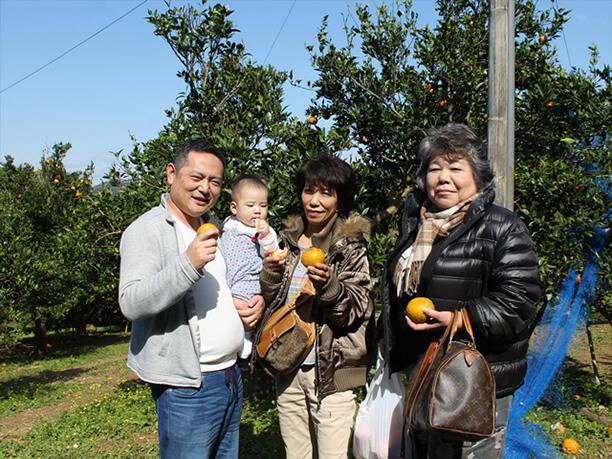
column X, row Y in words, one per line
column 231, row 101
column 52, row 274
column 391, row 80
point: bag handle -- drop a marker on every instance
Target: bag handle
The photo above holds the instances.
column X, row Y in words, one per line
column 467, row 325
column 430, row 356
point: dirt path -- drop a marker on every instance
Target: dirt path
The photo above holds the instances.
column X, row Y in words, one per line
column 580, row 354
column 93, row 382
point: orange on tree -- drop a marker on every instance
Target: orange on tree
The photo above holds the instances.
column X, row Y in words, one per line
column 206, row 227
column 415, row 307
column 312, row 256
column 312, row 119
column 570, row 446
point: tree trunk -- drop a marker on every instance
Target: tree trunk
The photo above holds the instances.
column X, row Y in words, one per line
column 40, row 332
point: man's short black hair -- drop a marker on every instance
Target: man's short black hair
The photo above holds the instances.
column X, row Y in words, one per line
column 198, row 145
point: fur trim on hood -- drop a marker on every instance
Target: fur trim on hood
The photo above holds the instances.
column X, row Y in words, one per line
column 352, row 226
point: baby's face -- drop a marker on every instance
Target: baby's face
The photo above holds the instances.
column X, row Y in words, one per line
column 250, row 205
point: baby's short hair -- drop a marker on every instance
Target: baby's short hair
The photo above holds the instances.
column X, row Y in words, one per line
column 247, row 180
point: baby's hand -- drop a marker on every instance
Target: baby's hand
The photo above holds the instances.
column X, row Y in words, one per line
column 263, row 228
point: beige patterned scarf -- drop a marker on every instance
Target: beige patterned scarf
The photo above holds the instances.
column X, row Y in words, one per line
column 407, row 273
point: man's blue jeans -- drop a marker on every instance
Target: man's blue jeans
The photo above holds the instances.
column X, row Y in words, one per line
column 200, row 422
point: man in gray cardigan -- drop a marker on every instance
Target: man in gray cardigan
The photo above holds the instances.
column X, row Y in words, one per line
column 186, row 330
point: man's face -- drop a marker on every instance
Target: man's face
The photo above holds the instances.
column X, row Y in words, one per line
column 196, row 186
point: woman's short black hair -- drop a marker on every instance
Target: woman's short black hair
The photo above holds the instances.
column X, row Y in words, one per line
column 456, row 140
column 332, row 172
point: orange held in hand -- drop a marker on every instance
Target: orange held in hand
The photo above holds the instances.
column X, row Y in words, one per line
column 206, row 227
column 570, row 446
column 280, row 253
column 312, row 256
column 415, row 307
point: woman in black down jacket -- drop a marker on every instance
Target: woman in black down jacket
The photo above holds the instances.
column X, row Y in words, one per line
column 460, row 250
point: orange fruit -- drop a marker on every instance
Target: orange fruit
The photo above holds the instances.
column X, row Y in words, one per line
column 280, row 253
column 570, row 446
column 312, row 256
column 206, row 227
column 415, row 307
column 558, row 428
column 312, row 119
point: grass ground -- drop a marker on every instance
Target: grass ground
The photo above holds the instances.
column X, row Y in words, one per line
column 80, row 400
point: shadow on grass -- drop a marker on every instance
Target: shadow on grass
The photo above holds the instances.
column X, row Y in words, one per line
column 131, row 385
column 23, row 384
column 259, row 430
column 61, row 345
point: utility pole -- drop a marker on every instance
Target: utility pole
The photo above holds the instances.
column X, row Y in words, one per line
column 501, row 98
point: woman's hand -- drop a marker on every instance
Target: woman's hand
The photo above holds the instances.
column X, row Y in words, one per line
column 318, row 273
column 273, row 262
column 436, row 320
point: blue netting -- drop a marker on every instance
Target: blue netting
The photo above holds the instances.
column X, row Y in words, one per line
column 563, row 320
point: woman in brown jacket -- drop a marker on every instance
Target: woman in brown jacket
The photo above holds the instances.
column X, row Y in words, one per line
column 316, row 403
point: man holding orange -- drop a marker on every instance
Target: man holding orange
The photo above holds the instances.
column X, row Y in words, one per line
column 186, row 330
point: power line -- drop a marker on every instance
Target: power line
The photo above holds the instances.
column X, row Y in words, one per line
column 280, row 30
column 569, row 59
column 74, row 47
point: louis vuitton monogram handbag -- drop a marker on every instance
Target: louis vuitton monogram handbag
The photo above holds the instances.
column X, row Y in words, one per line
column 451, row 392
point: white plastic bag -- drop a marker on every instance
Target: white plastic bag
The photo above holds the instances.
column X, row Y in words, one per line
column 378, row 427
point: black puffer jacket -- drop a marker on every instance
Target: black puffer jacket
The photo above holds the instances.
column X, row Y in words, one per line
column 487, row 265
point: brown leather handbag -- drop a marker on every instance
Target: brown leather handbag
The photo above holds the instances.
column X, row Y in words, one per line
column 451, row 392
column 288, row 334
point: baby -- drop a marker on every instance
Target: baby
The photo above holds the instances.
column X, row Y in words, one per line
column 246, row 238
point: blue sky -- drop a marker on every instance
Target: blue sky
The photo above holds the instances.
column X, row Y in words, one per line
column 121, row 81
